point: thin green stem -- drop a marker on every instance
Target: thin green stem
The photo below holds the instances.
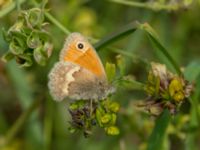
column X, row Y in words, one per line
column 20, row 122
column 134, row 57
column 57, row 23
column 12, row 6
column 54, row 20
column 149, row 5
column 18, row 5
column 136, row 85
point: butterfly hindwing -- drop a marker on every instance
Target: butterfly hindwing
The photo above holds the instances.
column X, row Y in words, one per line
column 70, row 80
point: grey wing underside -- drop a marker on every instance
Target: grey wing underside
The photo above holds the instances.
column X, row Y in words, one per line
column 70, row 80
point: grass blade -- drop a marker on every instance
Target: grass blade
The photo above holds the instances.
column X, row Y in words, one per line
column 155, row 40
column 157, row 137
column 124, row 31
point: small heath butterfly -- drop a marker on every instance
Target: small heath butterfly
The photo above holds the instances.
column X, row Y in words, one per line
column 79, row 73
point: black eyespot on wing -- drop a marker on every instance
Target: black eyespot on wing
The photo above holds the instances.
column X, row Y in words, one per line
column 80, row 45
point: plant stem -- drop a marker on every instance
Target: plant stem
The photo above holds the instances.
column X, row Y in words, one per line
column 12, row 6
column 57, row 23
column 54, row 21
column 20, row 122
column 149, row 5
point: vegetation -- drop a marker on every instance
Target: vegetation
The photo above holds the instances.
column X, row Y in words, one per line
column 150, row 53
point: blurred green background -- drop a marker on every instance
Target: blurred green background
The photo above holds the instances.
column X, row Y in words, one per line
column 47, row 126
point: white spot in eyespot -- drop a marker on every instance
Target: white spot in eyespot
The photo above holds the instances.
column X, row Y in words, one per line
column 85, row 47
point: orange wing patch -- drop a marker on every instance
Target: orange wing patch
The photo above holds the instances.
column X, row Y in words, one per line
column 88, row 60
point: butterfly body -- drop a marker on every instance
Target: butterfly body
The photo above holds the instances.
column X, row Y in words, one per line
column 79, row 73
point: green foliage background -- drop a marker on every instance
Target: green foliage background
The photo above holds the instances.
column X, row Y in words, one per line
column 47, row 126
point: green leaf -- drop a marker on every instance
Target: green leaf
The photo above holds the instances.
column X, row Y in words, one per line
column 110, row 71
column 33, row 41
column 40, row 56
column 158, row 134
column 35, row 17
column 192, row 71
column 7, row 56
column 124, row 31
column 154, row 38
column 24, row 60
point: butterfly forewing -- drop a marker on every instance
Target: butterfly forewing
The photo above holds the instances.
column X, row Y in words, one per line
column 86, row 58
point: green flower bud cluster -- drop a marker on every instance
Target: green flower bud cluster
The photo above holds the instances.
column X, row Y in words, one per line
column 86, row 114
column 106, row 116
column 28, row 40
column 166, row 89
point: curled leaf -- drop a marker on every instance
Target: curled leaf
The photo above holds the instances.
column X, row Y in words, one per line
column 39, row 55
column 33, row 40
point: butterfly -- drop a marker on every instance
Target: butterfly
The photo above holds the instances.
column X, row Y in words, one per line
column 79, row 73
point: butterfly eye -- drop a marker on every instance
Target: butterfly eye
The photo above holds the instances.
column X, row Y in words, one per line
column 80, row 46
